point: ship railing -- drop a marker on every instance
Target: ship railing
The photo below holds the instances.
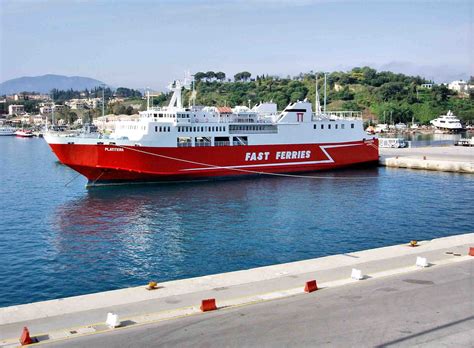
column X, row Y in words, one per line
column 222, row 143
column 202, row 143
column 339, row 115
column 185, row 144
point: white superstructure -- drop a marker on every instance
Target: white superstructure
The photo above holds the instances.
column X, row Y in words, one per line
column 7, row 130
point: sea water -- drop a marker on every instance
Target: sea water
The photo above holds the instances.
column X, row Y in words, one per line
column 59, row 239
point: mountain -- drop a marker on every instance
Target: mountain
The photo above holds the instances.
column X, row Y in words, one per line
column 45, row 83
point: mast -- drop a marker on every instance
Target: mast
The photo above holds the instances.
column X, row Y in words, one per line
column 317, row 103
column 103, row 100
column 325, row 86
column 52, row 113
column 147, row 98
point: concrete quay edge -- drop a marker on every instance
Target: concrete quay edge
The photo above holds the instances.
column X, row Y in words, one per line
column 428, row 164
column 51, row 308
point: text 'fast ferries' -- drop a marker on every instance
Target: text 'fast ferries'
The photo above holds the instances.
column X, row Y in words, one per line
column 279, row 155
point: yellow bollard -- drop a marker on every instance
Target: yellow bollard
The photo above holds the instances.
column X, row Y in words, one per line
column 151, row 285
column 413, row 243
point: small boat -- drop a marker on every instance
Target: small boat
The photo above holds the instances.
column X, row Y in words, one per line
column 6, row 130
column 400, row 126
column 24, row 133
column 381, row 127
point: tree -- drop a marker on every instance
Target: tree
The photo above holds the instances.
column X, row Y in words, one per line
column 220, row 76
column 392, row 90
column 210, row 75
column 71, row 117
column 199, row 76
column 129, row 110
column 127, row 93
column 242, row 76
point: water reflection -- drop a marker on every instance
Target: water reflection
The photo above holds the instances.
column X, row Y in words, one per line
column 176, row 230
column 125, row 236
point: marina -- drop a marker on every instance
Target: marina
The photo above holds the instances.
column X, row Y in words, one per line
column 236, row 174
column 73, row 241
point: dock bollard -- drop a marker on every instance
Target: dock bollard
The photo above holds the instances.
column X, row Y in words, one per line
column 413, row 243
column 208, row 305
column 357, row 274
column 471, row 251
column 422, row 262
column 151, row 286
column 311, row 286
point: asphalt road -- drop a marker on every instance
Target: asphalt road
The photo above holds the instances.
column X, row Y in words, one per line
column 430, row 307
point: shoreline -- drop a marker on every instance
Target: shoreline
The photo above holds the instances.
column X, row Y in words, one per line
column 175, row 299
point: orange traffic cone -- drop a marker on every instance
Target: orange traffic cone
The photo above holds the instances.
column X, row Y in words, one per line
column 25, row 337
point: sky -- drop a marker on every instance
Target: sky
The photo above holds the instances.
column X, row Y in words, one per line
column 142, row 44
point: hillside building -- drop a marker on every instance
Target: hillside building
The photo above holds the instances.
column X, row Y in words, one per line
column 460, row 86
column 16, row 109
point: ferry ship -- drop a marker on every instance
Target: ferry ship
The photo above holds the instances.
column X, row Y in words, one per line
column 6, row 130
column 176, row 143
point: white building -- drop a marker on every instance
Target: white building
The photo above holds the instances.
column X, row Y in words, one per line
column 76, row 104
column 48, row 108
column 460, row 86
column 94, row 103
column 16, row 109
column 38, row 120
column 427, row 85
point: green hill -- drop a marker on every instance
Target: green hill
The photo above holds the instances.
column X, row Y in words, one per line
column 364, row 89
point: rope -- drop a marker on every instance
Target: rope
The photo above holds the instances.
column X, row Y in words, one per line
column 67, row 184
column 246, row 170
column 93, row 183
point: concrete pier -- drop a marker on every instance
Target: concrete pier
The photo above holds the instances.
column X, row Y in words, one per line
column 444, row 158
column 76, row 317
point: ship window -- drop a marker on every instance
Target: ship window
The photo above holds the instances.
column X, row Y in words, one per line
column 184, row 141
column 342, row 126
column 314, row 126
column 160, row 115
column 156, row 128
column 329, row 126
column 322, row 126
column 169, row 129
column 221, row 141
column 336, row 126
column 352, row 125
column 160, row 129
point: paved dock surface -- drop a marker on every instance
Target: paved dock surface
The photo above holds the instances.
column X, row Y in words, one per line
column 67, row 320
column 433, row 308
column 441, row 158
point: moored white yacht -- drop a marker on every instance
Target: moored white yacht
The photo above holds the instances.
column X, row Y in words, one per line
column 447, row 122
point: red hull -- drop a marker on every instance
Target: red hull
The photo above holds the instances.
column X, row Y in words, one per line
column 112, row 164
